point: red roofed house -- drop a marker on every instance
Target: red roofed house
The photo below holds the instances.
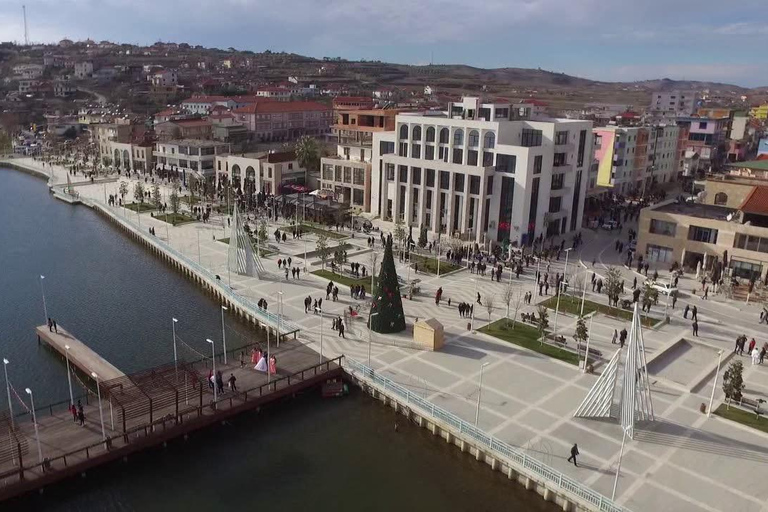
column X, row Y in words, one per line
column 352, row 103
column 284, row 120
column 196, row 128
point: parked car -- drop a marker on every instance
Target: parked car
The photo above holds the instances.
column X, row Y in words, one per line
column 610, row 225
column 663, row 288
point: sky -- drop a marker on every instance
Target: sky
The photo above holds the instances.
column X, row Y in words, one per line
column 611, row 40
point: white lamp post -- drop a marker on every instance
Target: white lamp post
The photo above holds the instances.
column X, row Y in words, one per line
column 321, row 335
column 479, row 392
column 472, row 320
column 370, row 330
column 37, row 432
column 101, row 411
column 69, row 376
column 223, row 333
column 279, row 314
column 45, row 307
column 213, row 361
column 175, row 356
column 714, row 384
column 8, row 389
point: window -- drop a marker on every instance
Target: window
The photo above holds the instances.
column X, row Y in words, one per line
column 660, row 227
column 487, row 158
column 386, row 148
column 721, row 198
column 474, row 139
column 347, row 175
column 390, row 172
column 404, row 132
column 703, row 125
column 429, row 152
column 530, row 138
column 472, row 157
column 445, row 180
column 557, row 181
column 357, row 197
column 582, row 146
column 700, row 234
column 489, row 185
column 474, row 184
column 403, row 173
column 746, row 270
column 402, row 149
column 416, row 134
column 458, row 155
column 458, row 137
column 489, row 140
column 538, row 160
column 416, row 175
column 751, row 243
column 328, row 172
column 659, row 254
column 560, row 159
column 431, row 134
column 505, row 163
column 444, row 134
column 415, row 150
column 430, row 177
column 561, row 138
column 554, row 204
column 358, row 177
column 458, row 182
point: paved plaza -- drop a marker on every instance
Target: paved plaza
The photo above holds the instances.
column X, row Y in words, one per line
column 684, row 461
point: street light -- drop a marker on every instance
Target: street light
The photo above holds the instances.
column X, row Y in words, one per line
column 223, row 333
column 472, row 320
column 45, row 307
column 101, row 412
column 175, row 357
column 714, row 384
column 321, row 335
column 215, row 381
column 37, row 432
column 370, row 330
column 479, row 392
column 565, row 271
column 69, row 376
column 8, row 389
column 279, row 314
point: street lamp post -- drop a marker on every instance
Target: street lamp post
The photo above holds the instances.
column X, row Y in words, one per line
column 101, row 412
column 223, row 333
column 69, row 376
column 370, row 341
column 472, row 320
column 42, row 288
column 213, row 362
column 437, row 250
column 321, row 335
column 583, row 295
column 618, row 467
column 714, row 384
column 175, row 357
column 565, row 270
column 479, row 392
column 557, row 306
column 589, row 337
column 8, row 389
column 199, row 261
column 34, row 421
column 279, row 314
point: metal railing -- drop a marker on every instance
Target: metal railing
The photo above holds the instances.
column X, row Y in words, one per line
column 286, row 326
column 511, row 456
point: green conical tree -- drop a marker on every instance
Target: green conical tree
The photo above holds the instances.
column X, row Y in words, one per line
column 386, row 297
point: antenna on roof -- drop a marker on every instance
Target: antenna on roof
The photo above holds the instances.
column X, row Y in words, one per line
column 26, row 32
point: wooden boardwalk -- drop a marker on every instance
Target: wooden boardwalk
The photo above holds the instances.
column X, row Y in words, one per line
column 146, row 409
column 82, row 357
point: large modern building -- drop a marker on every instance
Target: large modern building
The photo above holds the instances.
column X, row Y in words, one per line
column 267, row 172
column 480, row 172
column 348, row 174
column 189, row 158
column 271, row 120
column 667, row 106
column 707, row 141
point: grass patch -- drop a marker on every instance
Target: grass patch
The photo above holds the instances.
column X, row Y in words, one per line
column 528, row 337
column 429, row 265
column 175, row 218
column 263, row 253
column 331, row 250
column 739, row 415
column 318, row 231
column 572, row 305
column 344, row 280
column 141, row 207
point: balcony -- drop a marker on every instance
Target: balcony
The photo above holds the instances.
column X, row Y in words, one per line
column 559, row 191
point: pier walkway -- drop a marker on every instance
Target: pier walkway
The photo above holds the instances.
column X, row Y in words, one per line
column 82, row 357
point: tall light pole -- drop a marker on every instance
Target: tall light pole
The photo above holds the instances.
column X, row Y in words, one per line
column 589, row 337
column 472, row 320
column 279, row 314
column 583, row 295
column 8, row 389
column 479, row 392
column 437, row 250
column 215, row 380
column 175, row 356
column 618, row 467
column 374, row 257
column 321, row 335
column 565, row 271
column 45, row 307
column 199, row 260
column 223, row 333
column 101, row 411
column 370, row 341
column 557, row 306
column 37, row 432
column 714, row 384
column 69, row 376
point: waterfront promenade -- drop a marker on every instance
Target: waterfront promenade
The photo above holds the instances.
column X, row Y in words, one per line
column 684, row 461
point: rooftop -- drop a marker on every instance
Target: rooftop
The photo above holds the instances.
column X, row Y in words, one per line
column 756, row 201
column 760, row 165
column 195, row 143
column 698, row 210
column 274, row 107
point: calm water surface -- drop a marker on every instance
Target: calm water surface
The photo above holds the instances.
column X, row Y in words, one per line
column 302, row 454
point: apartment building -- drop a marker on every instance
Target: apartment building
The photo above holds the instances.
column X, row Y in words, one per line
column 666, row 106
column 348, row 174
column 267, row 172
column 733, row 221
column 105, row 133
column 189, row 158
column 28, row 71
column 132, row 156
column 707, row 142
column 164, row 78
column 83, row 70
column 476, row 172
column 275, row 93
column 284, row 120
column 193, row 128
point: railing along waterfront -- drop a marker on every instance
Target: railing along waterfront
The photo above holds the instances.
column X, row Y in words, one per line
column 286, row 326
column 511, row 456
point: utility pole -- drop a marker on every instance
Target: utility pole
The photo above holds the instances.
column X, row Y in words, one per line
column 26, row 31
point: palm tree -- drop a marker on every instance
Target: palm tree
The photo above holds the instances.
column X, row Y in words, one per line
column 308, row 153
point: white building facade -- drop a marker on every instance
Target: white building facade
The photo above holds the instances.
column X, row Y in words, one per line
column 479, row 173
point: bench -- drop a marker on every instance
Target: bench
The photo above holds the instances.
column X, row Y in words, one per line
column 592, row 351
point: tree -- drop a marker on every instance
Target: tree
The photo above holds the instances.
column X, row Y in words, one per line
column 175, row 201
column 581, row 334
column 733, row 381
column 338, row 255
column 387, row 305
column 156, row 196
column 138, row 192
column 489, row 301
column 308, row 153
column 322, row 247
column 517, row 298
column 542, row 321
column 399, row 234
column 612, row 284
column 123, row 190
column 423, row 236
column 262, row 235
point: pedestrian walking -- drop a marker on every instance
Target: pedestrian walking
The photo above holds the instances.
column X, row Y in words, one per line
column 685, row 311
column 50, row 324
column 55, row 327
column 615, row 336
column 574, row 453
column 694, row 313
column 73, row 410
column 231, row 381
column 695, row 327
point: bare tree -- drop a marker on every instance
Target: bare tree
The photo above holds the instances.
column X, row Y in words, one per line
column 489, row 300
column 518, row 301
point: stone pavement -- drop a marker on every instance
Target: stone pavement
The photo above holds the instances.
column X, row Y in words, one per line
column 684, row 461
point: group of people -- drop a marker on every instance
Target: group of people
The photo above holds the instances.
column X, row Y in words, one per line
column 53, row 326
column 217, row 379
column 262, row 361
column 331, row 291
column 757, row 355
column 466, row 309
column 78, row 415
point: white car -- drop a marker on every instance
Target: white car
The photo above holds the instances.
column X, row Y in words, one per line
column 610, row 224
column 663, row 288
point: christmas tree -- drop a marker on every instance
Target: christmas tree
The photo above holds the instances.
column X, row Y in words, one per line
column 387, row 303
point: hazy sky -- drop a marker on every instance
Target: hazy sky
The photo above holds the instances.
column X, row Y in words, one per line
column 615, row 40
